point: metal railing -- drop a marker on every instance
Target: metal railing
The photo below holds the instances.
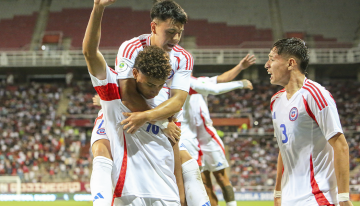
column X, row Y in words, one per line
column 201, row 57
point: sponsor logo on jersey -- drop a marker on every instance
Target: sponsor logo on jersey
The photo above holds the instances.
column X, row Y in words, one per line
column 293, row 115
column 122, row 67
column 171, row 74
column 98, row 196
column 101, row 131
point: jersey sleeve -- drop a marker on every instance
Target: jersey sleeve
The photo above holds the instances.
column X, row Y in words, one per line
column 108, row 88
column 324, row 109
column 205, row 86
column 125, row 59
column 181, row 79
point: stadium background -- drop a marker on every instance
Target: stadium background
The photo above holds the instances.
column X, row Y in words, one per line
column 46, row 112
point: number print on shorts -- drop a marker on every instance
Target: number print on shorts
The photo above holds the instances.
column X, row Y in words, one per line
column 284, row 132
column 154, row 129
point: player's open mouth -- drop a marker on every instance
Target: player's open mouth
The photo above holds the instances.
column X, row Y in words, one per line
column 271, row 76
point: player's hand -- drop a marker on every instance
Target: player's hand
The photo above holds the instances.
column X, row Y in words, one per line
column 277, row 201
column 247, row 84
column 96, row 100
column 347, row 203
column 247, row 61
column 173, row 132
column 134, row 121
column 104, row 3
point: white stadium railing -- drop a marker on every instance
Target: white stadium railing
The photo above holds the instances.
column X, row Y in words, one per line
column 201, row 57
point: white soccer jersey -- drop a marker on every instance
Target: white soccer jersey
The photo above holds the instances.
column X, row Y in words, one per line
column 144, row 161
column 302, row 126
column 181, row 62
column 197, row 116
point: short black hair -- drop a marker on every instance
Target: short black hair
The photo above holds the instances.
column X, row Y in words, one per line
column 294, row 47
column 165, row 9
column 153, row 62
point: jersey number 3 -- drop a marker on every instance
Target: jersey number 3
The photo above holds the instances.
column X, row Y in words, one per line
column 155, row 129
column 284, row 132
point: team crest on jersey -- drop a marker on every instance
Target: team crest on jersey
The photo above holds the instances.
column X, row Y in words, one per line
column 101, row 131
column 122, row 67
column 293, row 115
column 171, row 74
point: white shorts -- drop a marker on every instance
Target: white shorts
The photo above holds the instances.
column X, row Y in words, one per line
column 214, row 161
column 189, row 142
column 99, row 129
column 141, row 201
column 213, row 149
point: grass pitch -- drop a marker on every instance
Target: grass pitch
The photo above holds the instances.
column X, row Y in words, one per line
column 74, row 203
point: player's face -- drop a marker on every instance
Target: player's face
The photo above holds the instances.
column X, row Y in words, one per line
column 166, row 34
column 147, row 86
column 277, row 67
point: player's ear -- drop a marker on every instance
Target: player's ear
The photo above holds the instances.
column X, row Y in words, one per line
column 135, row 73
column 292, row 63
column 153, row 27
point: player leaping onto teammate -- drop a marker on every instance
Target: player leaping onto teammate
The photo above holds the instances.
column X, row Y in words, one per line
column 313, row 162
column 212, row 147
column 143, row 170
column 168, row 20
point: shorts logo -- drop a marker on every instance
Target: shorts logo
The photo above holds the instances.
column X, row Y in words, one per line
column 98, row 196
column 122, row 67
column 182, row 145
column 101, row 131
column 206, row 204
column 293, row 115
column 219, row 164
column 171, row 74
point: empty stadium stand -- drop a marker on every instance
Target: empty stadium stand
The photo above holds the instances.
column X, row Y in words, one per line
column 213, row 23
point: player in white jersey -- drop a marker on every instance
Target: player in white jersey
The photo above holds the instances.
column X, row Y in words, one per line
column 143, row 173
column 167, row 25
column 212, row 148
column 313, row 162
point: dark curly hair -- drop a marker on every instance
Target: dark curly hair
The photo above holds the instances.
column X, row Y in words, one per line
column 294, row 47
column 165, row 9
column 153, row 62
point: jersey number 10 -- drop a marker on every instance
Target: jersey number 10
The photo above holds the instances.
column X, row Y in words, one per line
column 154, row 129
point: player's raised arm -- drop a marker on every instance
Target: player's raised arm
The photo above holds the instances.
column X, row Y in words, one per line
column 205, row 88
column 94, row 59
column 246, row 62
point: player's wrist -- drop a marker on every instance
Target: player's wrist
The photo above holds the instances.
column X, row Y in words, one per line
column 277, row 194
column 343, row 197
column 99, row 6
column 148, row 116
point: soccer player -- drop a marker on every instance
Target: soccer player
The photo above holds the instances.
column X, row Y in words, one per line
column 168, row 20
column 143, row 173
column 212, row 148
column 313, row 162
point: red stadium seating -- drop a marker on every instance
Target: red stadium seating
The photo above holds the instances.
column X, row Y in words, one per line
column 120, row 24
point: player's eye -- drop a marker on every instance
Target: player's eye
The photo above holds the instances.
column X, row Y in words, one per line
column 171, row 32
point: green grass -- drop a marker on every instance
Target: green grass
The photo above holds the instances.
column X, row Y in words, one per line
column 73, row 203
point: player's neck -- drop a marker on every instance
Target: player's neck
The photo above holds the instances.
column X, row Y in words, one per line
column 295, row 83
